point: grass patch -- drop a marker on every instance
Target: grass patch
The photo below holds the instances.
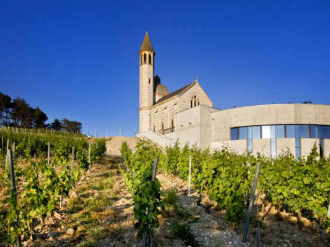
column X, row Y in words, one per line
column 99, row 203
column 181, row 212
column 83, row 216
column 182, row 231
column 170, row 198
column 97, row 232
column 104, row 184
column 75, row 205
column 87, row 244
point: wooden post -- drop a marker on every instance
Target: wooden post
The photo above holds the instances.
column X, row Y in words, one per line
column 89, row 156
column 247, row 222
column 48, row 154
column 7, row 145
column 166, row 165
column 154, row 169
column 10, row 160
column 72, row 163
column 2, row 145
column 189, row 178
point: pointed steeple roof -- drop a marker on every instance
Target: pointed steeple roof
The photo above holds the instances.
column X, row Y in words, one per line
column 146, row 44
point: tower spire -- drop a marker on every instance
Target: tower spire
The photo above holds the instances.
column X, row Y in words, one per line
column 146, row 44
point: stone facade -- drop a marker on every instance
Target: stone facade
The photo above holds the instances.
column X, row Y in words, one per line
column 157, row 106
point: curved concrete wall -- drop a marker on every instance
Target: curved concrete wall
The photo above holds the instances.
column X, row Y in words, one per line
column 222, row 121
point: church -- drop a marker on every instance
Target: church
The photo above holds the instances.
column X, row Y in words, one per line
column 188, row 115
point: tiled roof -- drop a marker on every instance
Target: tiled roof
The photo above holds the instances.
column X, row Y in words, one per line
column 177, row 92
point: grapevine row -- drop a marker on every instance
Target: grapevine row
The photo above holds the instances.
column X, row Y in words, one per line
column 41, row 184
column 145, row 190
column 300, row 186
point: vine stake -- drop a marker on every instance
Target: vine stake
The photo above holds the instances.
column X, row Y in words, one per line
column 48, row 153
column 72, row 163
column 189, row 178
column 89, row 157
column 10, row 160
column 255, row 182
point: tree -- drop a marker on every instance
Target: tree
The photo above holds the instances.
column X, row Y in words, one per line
column 39, row 118
column 71, row 126
column 5, row 106
column 307, row 102
column 22, row 113
column 56, row 124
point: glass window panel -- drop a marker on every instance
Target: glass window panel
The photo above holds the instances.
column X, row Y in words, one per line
column 234, row 133
column 266, row 132
column 303, row 131
column 326, row 132
column 249, row 132
column 273, row 148
column 320, row 131
column 243, row 133
column 250, row 145
column 272, row 131
column 314, row 130
column 256, row 132
column 290, row 131
column 279, row 131
column 298, row 147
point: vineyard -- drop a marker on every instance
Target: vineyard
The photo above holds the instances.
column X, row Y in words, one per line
column 60, row 190
column 299, row 187
column 36, row 173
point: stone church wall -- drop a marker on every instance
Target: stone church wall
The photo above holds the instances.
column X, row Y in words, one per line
column 163, row 114
column 185, row 99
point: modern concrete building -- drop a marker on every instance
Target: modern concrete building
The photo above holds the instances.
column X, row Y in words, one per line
column 188, row 115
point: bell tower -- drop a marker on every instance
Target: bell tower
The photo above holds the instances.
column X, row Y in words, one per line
column 147, row 62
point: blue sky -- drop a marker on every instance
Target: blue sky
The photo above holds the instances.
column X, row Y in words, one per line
column 79, row 59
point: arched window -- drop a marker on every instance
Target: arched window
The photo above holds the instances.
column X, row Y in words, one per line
column 194, row 101
column 145, row 58
column 149, row 58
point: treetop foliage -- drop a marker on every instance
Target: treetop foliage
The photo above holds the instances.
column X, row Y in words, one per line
column 18, row 113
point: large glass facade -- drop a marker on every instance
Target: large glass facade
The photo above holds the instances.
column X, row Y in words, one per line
column 266, row 132
column 256, row 132
column 281, row 131
column 243, row 133
column 234, row 133
column 273, row 132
